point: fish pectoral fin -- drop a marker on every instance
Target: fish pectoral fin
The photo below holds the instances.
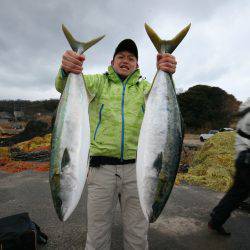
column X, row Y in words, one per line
column 158, row 163
column 166, row 45
column 77, row 46
column 65, row 159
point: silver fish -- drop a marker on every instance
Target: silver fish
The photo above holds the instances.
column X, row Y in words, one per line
column 161, row 136
column 70, row 140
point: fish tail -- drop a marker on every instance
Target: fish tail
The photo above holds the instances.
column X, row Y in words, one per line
column 77, row 46
column 166, row 46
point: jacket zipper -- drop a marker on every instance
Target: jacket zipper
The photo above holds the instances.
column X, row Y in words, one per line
column 123, row 118
column 99, row 122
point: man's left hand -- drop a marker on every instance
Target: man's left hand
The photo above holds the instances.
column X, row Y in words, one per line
column 166, row 62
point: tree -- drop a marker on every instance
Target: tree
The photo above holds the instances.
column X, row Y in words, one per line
column 206, row 107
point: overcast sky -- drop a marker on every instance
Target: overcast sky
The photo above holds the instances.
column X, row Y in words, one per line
column 215, row 52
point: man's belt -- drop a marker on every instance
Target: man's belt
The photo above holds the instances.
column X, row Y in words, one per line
column 96, row 161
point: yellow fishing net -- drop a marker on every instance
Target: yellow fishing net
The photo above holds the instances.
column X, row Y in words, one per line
column 213, row 164
column 36, row 143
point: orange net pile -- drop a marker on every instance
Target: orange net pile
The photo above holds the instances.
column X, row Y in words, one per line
column 19, row 166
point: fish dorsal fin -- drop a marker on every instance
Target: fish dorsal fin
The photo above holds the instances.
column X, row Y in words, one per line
column 77, row 46
column 65, row 159
column 166, row 46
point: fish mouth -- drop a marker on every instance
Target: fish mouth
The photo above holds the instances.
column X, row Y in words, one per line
column 148, row 214
column 58, row 206
column 65, row 213
column 152, row 218
column 63, row 209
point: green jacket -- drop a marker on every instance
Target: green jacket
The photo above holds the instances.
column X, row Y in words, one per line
column 116, row 112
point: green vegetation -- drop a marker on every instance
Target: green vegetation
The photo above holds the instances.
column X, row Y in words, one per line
column 29, row 107
column 204, row 108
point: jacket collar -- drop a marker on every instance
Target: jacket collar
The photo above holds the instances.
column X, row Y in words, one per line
column 130, row 80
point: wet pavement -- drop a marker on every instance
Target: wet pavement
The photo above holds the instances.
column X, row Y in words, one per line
column 182, row 225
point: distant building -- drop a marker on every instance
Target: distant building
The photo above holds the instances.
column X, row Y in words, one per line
column 19, row 115
column 45, row 117
column 17, row 125
column 5, row 117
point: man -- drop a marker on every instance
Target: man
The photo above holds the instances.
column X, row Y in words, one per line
column 116, row 112
column 241, row 186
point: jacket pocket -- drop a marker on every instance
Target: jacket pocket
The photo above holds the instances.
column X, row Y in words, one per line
column 99, row 121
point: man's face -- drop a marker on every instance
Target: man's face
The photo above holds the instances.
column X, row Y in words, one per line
column 124, row 63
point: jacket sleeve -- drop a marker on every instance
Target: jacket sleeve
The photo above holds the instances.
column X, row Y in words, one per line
column 61, row 80
column 92, row 82
column 242, row 142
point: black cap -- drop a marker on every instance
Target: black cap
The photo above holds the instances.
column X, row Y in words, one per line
column 127, row 45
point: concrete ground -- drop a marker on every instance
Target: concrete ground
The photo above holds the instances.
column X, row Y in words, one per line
column 181, row 226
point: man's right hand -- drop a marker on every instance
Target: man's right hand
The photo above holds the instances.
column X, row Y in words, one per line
column 72, row 62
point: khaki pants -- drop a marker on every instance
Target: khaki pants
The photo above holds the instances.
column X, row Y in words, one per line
column 104, row 185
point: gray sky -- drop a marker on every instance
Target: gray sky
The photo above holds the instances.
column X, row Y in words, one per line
column 215, row 51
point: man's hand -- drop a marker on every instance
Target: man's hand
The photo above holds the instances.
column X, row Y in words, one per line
column 166, row 62
column 72, row 62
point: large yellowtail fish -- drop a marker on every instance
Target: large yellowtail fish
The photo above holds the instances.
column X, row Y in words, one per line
column 161, row 136
column 70, row 140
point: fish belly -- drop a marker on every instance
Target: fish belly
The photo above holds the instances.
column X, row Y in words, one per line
column 157, row 147
column 72, row 134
